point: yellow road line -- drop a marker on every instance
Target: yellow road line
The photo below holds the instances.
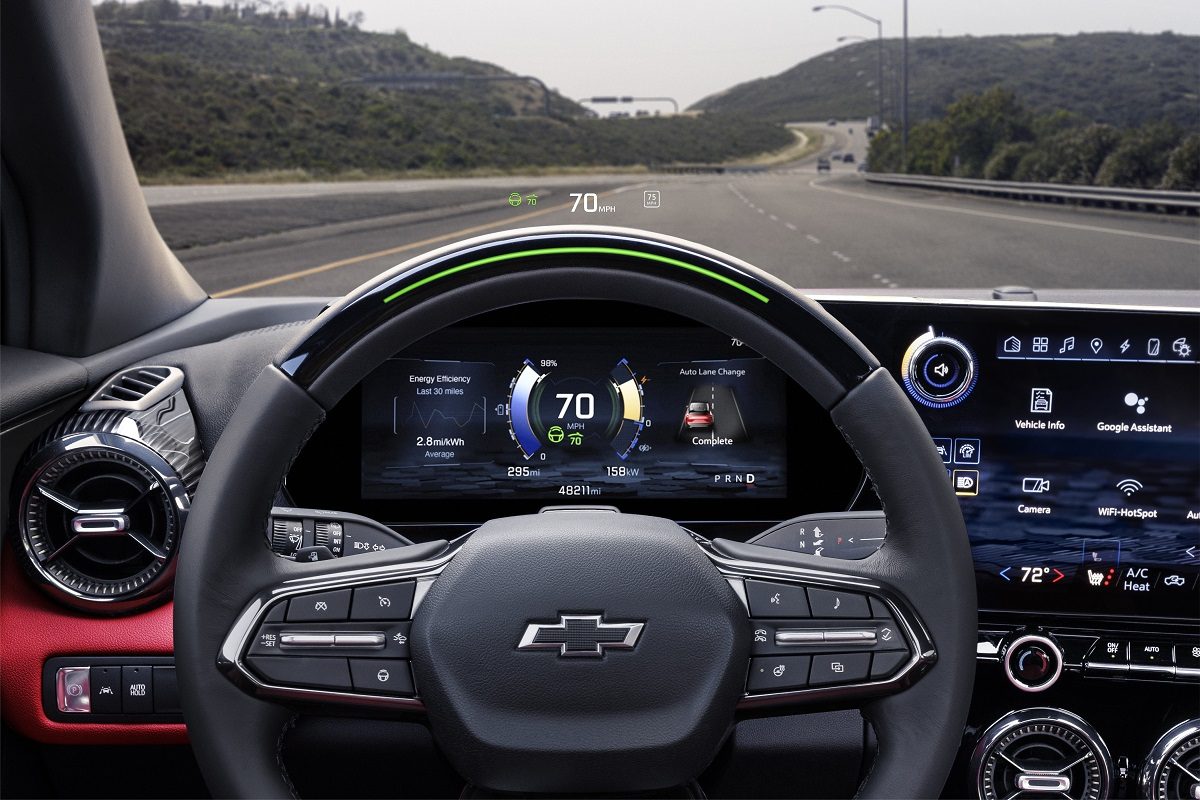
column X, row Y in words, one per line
column 346, row 262
column 1010, row 217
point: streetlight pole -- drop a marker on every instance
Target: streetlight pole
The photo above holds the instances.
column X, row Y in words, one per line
column 904, row 99
column 878, row 48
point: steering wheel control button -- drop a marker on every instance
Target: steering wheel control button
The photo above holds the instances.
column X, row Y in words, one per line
column 322, row 607
column 777, row 674
column 137, row 690
column 380, row 676
column 839, row 668
column 884, row 664
column 387, row 602
column 836, row 604
column 278, row 613
column 769, row 599
column 938, row 371
column 1033, row 663
column 307, row 672
column 306, row 640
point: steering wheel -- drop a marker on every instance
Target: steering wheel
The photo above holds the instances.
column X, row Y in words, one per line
column 501, row 618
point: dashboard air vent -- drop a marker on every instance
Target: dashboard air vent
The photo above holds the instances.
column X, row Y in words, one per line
column 1171, row 770
column 100, row 520
column 1041, row 752
column 135, row 389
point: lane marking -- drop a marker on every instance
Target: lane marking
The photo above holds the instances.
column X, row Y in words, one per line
column 774, row 218
column 789, row 226
column 346, row 262
column 1009, row 217
column 812, row 238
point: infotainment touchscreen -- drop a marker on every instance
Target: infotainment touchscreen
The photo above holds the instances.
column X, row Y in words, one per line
column 1072, row 439
column 570, row 416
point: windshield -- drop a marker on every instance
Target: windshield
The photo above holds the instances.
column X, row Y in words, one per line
column 301, row 148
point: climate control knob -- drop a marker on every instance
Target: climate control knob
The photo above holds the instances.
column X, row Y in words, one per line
column 938, row 371
column 1033, row 663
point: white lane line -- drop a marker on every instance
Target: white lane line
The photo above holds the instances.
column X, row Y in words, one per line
column 759, row 210
column 773, row 218
column 1009, row 217
column 812, row 238
column 789, row 226
column 840, row 257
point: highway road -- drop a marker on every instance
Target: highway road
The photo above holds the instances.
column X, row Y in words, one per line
column 813, row 231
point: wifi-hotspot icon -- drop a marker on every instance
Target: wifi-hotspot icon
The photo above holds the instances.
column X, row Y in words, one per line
column 1129, row 486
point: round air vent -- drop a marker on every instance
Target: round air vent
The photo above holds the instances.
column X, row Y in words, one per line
column 1041, row 752
column 1172, row 769
column 100, row 517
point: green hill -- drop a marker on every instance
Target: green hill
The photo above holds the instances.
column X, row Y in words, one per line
column 218, row 91
column 1121, row 79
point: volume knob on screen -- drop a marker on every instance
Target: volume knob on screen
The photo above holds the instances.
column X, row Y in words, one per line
column 938, row 371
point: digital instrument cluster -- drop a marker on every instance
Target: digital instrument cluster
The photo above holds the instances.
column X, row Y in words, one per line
column 564, row 415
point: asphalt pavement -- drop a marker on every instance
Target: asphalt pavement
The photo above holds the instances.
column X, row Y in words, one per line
column 815, row 231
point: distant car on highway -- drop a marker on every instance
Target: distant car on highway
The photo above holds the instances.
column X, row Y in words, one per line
column 833, row 122
column 848, row 158
column 698, row 415
column 823, row 164
column 835, row 156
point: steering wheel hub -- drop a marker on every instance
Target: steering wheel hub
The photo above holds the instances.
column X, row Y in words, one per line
column 579, row 649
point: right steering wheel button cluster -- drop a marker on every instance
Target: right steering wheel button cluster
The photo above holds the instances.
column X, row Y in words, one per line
column 842, row 638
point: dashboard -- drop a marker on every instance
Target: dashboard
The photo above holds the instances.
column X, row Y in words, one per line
column 1070, row 435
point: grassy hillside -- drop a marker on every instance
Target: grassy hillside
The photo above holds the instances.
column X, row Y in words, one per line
column 203, row 92
column 1121, row 79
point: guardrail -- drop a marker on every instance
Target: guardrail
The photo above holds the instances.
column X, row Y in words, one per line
column 1105, row 196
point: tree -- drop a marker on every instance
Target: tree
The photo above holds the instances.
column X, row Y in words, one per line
column 1183, row 168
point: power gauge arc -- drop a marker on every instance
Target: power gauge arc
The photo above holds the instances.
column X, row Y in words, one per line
column 551, row 409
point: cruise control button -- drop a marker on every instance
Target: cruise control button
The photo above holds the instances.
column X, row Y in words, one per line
column 322, row 607
column 315, row 673
column 106, row 690
column 838, row 604
column 390, row 601
column 840, row 668
column 379, row 676
column 769, row 599
column 777, row 674
column 884, row 664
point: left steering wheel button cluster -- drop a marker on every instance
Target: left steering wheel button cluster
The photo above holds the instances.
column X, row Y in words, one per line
column 348, row 640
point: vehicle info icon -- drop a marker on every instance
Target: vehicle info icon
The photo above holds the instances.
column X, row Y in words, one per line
column 1041, row 400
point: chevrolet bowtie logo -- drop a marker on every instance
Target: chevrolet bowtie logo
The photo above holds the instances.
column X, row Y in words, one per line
column 581, row 635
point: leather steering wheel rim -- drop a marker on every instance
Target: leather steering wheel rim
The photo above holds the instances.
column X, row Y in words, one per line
column 224, row 559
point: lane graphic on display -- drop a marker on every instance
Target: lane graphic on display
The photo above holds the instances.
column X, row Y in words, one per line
column 713, row 409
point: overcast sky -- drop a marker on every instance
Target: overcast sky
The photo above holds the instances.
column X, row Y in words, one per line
column 691, row 48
